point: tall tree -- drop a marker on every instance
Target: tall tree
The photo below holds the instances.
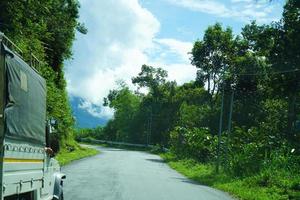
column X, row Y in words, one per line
column 125, row 105
column 212, row 56
column 285, row 57
column 158, row 104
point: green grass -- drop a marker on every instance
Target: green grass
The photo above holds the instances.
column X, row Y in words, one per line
column 270, row 185
column 67, row 155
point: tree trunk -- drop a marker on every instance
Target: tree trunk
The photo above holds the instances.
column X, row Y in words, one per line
column 214, row 84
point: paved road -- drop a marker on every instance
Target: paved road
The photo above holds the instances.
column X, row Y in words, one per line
column 117, row 174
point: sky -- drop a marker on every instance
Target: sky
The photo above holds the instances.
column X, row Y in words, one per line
column 125, row 34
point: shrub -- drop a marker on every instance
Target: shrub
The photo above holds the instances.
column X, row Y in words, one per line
column 195, row 142
column 247, row 161
column 247, row 151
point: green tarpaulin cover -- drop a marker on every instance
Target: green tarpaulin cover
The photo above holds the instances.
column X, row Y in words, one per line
column 25, row 110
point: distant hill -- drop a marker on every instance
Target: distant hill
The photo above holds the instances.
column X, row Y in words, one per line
column 83, row 118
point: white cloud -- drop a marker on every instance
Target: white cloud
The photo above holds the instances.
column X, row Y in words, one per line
column 178, row 47
column 243, row 10
column 207, row 6
column 120, row 40
column 118, row 35
column 183, row 72
column 95, row 110
column 174, row 58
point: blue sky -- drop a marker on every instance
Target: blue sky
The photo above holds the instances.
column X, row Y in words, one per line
column 183, row 22
column 124, row 34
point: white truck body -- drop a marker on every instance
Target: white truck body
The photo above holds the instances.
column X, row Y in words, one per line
column 26, row 171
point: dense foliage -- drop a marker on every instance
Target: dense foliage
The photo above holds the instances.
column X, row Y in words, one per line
column 252, row 79
column 46, row 28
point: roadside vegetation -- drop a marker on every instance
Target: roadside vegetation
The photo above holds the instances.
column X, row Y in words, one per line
column 67, row 155
column 269, row 183
column 47, row 29
column 237, row 126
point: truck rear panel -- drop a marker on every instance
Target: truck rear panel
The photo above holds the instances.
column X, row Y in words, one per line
column 24, row 165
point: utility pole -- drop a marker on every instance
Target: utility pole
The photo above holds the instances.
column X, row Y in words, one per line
column 229, row 125
column 149, row 127
column 230, row 111
column 220, row 132
column 148, row 124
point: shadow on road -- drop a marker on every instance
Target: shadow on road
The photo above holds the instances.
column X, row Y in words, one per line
column 185, row 180
column 114, row 149
column 155, row 160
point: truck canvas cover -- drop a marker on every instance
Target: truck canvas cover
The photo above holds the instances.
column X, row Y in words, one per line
column 25, row 109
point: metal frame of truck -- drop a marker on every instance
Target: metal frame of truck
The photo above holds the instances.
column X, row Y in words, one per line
column 27, row 172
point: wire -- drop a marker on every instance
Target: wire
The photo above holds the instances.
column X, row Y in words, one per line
column 278, row 72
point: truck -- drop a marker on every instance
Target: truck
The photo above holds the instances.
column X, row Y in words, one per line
column 27, row 170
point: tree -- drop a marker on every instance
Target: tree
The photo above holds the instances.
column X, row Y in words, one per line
column 285, row 56
column 150, row 77
column 125, row 105
column 278, row 44
column 212, row 56
column 158, row 103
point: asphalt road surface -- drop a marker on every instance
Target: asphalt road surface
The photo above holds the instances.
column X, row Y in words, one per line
column 117, row 174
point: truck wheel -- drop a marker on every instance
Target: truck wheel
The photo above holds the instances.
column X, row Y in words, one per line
column 61, row 197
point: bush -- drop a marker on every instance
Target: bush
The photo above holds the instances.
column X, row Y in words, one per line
column 252, row 151
column 195, row 142
column 95, row 133
column 247, row 150
column 247, row 161
column 157, row 149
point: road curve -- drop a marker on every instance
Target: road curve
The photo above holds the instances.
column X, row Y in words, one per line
column 117, row 174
